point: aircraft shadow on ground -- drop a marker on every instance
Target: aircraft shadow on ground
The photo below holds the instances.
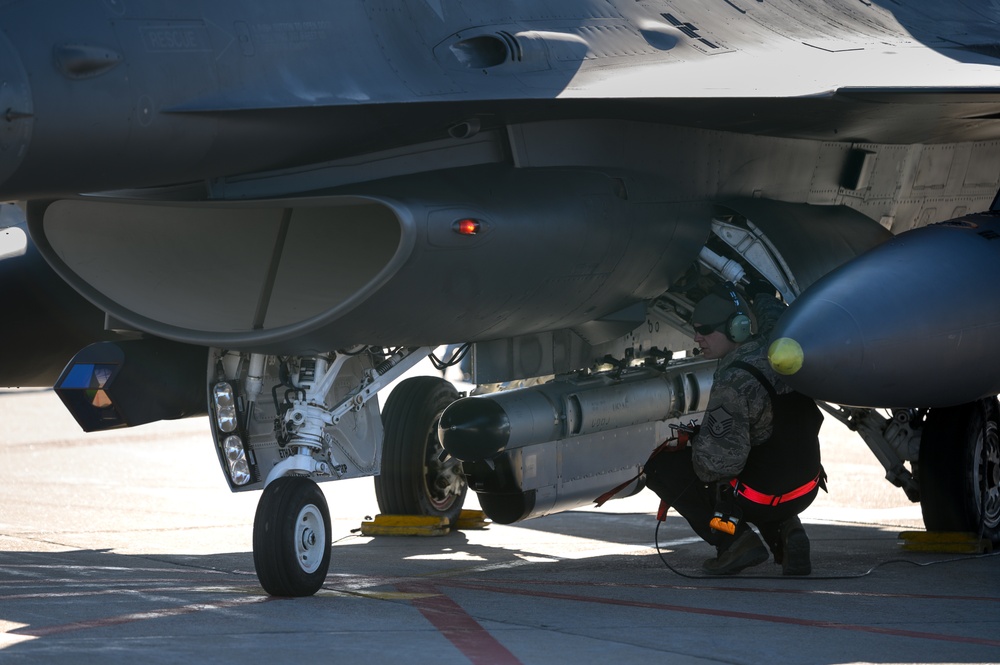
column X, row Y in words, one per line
column 106, row 590
column 839, row 550
column 842, row 548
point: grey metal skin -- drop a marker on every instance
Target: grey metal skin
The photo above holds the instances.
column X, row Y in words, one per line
column 871, row 335
column 134, row 93
column 246, row 149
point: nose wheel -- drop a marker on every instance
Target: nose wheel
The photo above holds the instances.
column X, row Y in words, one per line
column 291, row 537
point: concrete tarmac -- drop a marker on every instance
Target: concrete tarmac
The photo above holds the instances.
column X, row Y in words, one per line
column 127, row 547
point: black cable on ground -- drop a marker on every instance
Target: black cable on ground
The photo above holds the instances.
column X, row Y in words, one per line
column 656, row 541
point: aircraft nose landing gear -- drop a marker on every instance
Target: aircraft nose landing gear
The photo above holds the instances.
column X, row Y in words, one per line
column 284, row 423
column 292, row 556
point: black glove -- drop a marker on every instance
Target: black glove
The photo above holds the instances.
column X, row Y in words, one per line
column 758, row 286
column 684, row 434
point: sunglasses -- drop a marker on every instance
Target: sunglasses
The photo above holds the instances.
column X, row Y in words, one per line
column 708, row 329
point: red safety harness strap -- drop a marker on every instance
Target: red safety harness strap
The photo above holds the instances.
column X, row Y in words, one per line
column 750, row 494
column 670, row 445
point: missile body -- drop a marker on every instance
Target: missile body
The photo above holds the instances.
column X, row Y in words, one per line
column 915, row 322
column 544, row 449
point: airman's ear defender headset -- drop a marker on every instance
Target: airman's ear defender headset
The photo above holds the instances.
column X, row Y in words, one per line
column 738, row 326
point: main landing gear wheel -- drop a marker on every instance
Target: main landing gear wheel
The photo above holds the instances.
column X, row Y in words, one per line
column 418, row 476
column 959, row 470
column 291, row 537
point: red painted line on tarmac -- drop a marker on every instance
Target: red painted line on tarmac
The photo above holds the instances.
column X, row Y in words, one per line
column 732, row 614
column 454, row 623
column 45, row 631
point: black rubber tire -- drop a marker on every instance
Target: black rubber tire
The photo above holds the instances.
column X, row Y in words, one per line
column 291, row 537
column 959, row 471
column 413, row 459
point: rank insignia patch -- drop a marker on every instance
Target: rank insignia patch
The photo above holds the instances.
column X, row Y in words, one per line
column 719, row 422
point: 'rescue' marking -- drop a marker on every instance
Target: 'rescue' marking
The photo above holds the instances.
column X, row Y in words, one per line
column 176, row 36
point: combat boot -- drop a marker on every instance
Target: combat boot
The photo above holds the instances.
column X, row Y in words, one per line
column 747, row 550
column 795, row 548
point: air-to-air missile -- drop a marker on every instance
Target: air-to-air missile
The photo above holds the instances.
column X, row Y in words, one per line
column 539, row 450
column 912, row 323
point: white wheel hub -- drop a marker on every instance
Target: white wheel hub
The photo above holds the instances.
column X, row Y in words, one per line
column 310, row 538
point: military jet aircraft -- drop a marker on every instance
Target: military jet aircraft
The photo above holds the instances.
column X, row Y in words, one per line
column 268, row 211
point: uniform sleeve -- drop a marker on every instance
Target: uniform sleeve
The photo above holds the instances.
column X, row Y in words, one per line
column 721, row 447
column 768, row 310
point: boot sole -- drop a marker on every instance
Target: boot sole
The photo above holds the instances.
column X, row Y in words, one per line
column 796, row 555
column 754, row 557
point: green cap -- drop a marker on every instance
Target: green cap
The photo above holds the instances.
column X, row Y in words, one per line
column 712, row 310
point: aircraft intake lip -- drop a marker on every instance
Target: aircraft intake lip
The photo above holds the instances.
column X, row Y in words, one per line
column 16, row 112
column 474, row 429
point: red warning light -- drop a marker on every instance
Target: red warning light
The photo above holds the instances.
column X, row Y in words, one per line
column 467, row 227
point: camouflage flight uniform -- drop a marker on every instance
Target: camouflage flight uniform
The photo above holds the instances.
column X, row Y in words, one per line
column 741, row 417
column 739, row 410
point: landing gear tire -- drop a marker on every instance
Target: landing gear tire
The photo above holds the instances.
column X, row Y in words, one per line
column 291, row 537
column 418, row 477
column 959, row 472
